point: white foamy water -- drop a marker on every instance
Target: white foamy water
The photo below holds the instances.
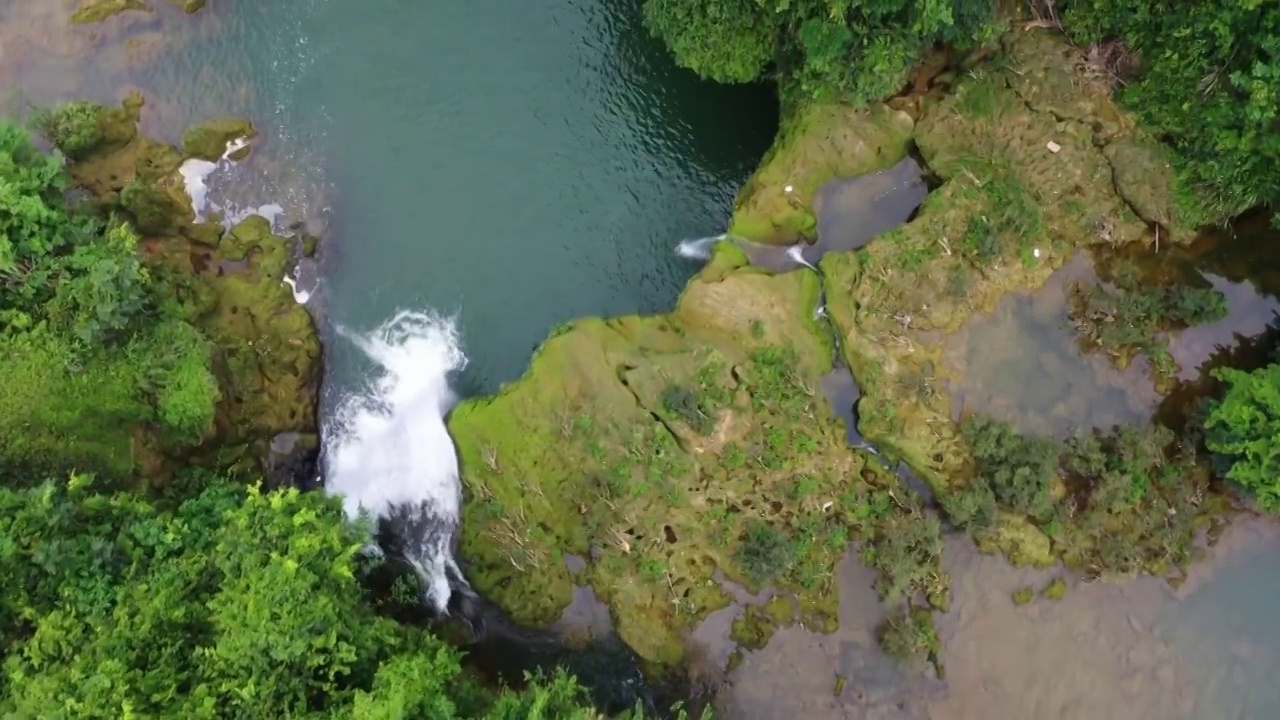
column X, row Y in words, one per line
column 195, row 172
column 699, row 249
column 388, row 451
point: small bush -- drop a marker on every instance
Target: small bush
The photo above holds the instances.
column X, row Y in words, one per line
column 905, row 553
column 765, row 553
column 1019, row 470
column 74, row 128
column 684, row 404
column 1245, row 427
column 910, row 637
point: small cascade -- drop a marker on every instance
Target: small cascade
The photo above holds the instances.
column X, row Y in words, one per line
column 388, row 452
column 699, row 249
column 195, row 176
column 854, row 211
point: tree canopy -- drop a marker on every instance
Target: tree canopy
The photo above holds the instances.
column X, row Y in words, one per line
column 860, row 50
column 233, row 604
column 91, row 345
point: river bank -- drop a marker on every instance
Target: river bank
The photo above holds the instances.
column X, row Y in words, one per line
column 666, row 447
column 664, row 461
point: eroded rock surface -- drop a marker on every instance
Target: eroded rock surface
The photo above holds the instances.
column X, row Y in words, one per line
column 230, row 283
column 666, row 447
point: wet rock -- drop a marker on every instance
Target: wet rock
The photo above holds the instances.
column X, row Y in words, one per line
column 95, row 11
column 291, row 460
column 822, row 142
column 267, row 353
column 208, row 140
column 1145, row 178
column 668, row 447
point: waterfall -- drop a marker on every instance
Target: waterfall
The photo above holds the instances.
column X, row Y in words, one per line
column 699, row 249
column 389, row 453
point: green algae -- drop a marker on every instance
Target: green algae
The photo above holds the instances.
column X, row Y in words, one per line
column 1023, row 596
column 910, row 637
column 753, row 628
column 209, row 140
column 1055, row 590
column 95, row 11
column 190, row 6
column 819, row 142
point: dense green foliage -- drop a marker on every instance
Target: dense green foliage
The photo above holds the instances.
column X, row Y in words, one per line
column 74, row 128
column 1126, row 501
column 1245, row 427
column 233, row 603
column 91, row 348
column 1208, row 84
column 831, row 49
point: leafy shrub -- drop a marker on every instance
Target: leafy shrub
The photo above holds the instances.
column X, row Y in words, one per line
column 74, row 128
column 904, row 552
column 972, row 508
column 764, row 553
column 1018, row 469
column 684, row 403
column 91, row 345
column 910, row 637
column 1209, row 86
column 1245, row 427
column 177, row 358
column 832, row 49
column 233, row 604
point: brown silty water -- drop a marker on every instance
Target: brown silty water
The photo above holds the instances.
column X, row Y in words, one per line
column 1132, row 651
column 1135, row 650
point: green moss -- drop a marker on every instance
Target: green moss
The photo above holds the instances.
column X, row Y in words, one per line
column 1024, row 596
column 753, row 628
column 95, row 11
column 673, row 445
column 1055, row 590
column 818, row 143
column 190, row 6
column 208, row 140
column 265, row 353
column 1009, row 211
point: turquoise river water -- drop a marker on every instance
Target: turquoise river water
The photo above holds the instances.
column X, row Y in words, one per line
column 520, row 164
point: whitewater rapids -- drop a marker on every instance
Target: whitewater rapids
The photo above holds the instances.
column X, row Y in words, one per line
column 390, row 454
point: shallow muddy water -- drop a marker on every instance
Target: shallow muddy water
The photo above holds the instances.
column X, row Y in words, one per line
column 1132, row 651
column 1022, row 363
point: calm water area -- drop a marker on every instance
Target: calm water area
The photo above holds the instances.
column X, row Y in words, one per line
column 520, row 164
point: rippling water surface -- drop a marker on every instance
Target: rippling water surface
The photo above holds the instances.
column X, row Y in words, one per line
column 516, row 163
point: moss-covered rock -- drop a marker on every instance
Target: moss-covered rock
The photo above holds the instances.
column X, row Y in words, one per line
column 95, row 11
column 819, row 143
column 1055, row 590
column 267, row 352
column 667, row 447
column 210, row 139
column 1021, row 148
